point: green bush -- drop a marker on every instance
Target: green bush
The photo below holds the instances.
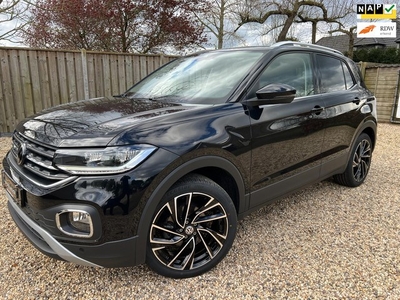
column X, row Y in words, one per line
column 388, row 55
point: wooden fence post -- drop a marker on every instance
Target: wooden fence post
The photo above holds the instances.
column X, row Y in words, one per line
column 85, row 74
column 161, row 60
column 363, row 67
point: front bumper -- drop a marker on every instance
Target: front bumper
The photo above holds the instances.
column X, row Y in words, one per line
column 111, row 254
column 115, row 203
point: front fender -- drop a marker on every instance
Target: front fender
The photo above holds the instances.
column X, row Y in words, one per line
column 164, row 184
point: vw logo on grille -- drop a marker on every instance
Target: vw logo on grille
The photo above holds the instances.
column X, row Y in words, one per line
column 21, row 153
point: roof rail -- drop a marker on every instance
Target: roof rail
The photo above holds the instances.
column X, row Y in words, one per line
column 305, row 45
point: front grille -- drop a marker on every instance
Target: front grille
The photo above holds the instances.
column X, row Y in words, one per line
column 36, row 159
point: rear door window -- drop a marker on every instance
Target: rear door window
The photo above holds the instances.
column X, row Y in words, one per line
column 334, row 75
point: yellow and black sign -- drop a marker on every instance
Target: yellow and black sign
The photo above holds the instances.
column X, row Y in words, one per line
column 376, row 11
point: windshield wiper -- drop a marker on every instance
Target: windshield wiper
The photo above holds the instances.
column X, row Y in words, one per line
column 119, row 96
column 165, row 97
column 131, row 95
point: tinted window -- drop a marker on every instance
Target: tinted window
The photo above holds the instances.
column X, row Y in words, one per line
column 347, row 76
column 332, row 76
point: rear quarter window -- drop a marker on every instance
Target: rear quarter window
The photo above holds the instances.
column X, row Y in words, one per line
column 347, row 76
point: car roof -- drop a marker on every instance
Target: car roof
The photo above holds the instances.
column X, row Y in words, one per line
column 286, row 45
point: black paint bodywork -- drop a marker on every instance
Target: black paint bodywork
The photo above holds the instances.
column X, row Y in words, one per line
column 256, row 153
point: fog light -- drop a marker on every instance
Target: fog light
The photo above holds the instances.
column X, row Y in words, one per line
column 80, row 221
column 76, row 223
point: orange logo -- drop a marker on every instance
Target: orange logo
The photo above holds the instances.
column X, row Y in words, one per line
column 367, row 29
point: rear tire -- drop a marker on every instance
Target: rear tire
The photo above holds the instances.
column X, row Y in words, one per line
column 192, row 229
column 358, row 164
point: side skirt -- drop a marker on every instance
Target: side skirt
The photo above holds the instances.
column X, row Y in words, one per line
column 274, row 192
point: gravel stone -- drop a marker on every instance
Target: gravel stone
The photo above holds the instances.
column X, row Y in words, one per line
column 325, row 241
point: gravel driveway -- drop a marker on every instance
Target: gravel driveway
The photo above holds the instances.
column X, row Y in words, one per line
column 325, row 241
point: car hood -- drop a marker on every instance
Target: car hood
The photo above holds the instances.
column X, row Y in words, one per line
column 93, row 122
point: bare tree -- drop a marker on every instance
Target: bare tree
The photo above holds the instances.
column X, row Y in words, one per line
column 219, row 19
column 334, row 11
column 290, row 12
column 270, row 30
column 11, row 14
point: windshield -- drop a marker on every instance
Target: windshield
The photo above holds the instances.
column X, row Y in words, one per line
column 205, row 78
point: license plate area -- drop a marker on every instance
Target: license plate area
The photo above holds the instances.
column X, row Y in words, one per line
column 16, row 193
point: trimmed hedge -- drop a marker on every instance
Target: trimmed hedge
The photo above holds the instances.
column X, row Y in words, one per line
column 388, row 55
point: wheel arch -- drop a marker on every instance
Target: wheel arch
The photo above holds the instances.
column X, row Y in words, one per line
column 369, row 127
column 218, row 169
column 371, row 132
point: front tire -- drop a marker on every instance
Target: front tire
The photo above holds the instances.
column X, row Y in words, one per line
column 359, row 163
column 192, row 229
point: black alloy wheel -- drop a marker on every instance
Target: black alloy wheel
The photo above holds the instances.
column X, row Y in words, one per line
column 192, row 230
column 359, row 163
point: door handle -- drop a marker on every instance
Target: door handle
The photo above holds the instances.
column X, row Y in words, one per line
column 317, row 110
column 356, row 100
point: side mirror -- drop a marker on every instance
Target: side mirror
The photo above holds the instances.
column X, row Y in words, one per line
column 274, row 93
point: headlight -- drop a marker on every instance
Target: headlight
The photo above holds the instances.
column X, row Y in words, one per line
column 101, row 161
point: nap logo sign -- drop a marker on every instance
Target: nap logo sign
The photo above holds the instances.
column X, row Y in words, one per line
column 376, row 30
column 376, row 11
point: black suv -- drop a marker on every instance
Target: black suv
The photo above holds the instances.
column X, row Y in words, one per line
column 162, row 173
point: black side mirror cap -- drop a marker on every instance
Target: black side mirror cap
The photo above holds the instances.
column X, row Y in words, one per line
column 274, row 93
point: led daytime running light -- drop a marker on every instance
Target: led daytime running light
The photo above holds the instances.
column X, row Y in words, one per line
column 107, row 160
